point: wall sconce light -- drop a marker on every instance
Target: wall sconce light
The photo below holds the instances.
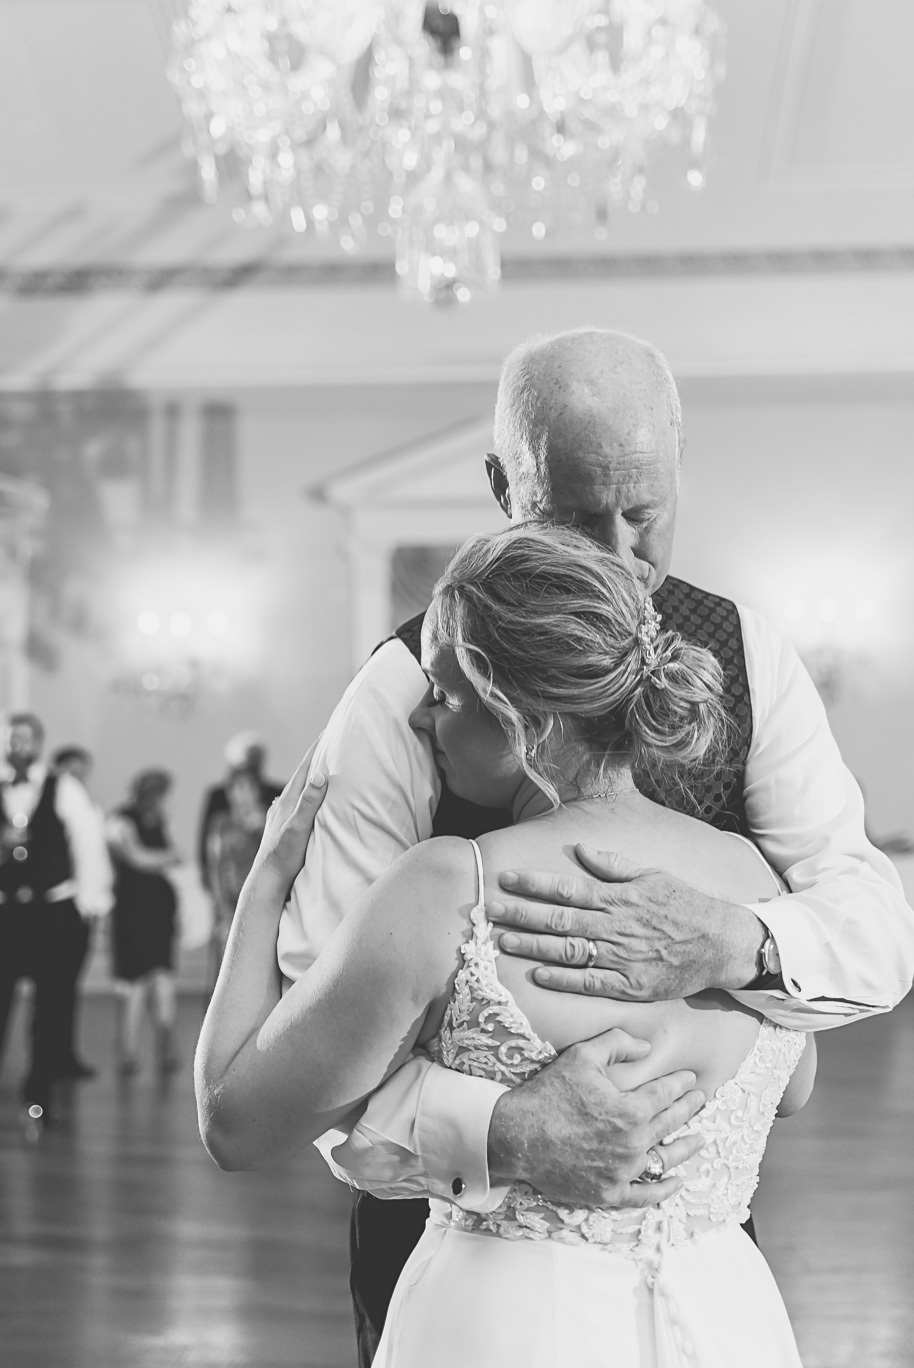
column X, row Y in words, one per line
column 173, row 655
column 182, row 626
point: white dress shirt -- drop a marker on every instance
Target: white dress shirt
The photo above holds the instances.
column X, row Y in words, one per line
column 93, row 880
column 844, row 933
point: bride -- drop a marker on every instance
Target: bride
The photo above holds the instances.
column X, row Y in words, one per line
column 549, row 680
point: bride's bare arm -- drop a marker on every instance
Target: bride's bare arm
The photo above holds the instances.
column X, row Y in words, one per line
column 273, row 1072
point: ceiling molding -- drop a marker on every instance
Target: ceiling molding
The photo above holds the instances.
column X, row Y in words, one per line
column 207, row 278
column 782, row 165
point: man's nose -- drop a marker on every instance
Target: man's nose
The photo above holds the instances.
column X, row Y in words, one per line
column 617, row 536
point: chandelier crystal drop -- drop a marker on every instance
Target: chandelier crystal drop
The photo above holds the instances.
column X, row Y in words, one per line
column 439, row 125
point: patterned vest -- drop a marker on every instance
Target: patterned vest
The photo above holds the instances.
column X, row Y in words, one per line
column 35, row 857
column 717, row 797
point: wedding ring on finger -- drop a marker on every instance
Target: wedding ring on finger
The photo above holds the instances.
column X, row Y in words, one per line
column 591, row 954
column 653, row 1169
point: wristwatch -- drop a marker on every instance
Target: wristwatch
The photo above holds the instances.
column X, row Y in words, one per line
column 769, row 967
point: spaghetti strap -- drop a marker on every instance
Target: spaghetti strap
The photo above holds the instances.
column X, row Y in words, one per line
column 479, row 875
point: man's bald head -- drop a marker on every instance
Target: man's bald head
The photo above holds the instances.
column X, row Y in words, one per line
column 572, row 392
column 588, row 430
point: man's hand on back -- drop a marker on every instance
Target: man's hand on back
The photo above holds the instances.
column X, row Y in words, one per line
column 655, row 936
column 571, row 1134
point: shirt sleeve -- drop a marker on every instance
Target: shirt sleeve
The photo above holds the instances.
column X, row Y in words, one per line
column 381, row 801
column 423, row 1134
column 84, row 824
column 844, row 933
column 427, row 1127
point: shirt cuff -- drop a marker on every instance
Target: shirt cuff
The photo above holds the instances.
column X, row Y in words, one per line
column 797, row 948
column 452, row 1129
column 805, row 1003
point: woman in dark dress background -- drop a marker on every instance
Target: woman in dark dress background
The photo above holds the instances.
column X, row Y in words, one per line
column 232, row 841
column 144, row 920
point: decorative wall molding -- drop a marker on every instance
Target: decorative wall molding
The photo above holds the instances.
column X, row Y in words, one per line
column 804, row 43
column 205, row 278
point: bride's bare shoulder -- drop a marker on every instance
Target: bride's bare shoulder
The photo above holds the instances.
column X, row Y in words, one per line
column 720, row 863
column 444, row 856
column 717, row 862
column 438, row 873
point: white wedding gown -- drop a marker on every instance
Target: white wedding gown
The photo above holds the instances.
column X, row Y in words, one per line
column 534, row 1285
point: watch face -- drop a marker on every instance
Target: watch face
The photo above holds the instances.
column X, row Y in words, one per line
column 771, row 957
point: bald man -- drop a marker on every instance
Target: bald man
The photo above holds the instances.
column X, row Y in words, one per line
column 588, row 431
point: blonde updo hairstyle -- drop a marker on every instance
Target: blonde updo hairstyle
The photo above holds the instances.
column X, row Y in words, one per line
column 546, row 625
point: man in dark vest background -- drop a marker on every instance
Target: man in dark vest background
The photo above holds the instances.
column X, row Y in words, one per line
column 54, row 872
column 588, row 431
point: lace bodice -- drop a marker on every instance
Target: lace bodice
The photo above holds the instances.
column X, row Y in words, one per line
column 484, row 1033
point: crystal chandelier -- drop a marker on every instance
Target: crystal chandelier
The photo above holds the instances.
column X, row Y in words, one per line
column 439, row 125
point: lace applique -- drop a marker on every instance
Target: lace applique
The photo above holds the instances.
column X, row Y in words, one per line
column 484, row 1033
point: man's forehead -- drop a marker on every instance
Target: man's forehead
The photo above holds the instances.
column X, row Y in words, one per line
column 599, row 482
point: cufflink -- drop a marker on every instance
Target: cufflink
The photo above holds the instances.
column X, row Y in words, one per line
column 458, row 1187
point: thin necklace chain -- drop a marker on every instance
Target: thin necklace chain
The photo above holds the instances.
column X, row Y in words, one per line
column 603, row 793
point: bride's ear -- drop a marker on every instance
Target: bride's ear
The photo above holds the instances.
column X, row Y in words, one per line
column 536, row 734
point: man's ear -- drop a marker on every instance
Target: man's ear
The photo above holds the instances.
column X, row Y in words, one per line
column 499, row 483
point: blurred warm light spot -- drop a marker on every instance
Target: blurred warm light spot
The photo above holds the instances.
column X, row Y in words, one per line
column 186, row 619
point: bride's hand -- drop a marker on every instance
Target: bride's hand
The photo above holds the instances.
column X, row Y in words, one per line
column 288, row 826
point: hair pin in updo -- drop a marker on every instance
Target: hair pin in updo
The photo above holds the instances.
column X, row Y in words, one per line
column 648, row 631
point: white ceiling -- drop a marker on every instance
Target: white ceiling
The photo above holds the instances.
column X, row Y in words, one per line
column 110, row 266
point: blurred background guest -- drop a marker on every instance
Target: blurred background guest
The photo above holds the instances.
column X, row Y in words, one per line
column 77, row 762
column 231, row 844
column 55, row 876
column 144, row 920
column 245, row 753
column 74, row 760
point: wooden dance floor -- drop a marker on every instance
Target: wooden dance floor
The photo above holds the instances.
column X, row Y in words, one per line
column 123, row 1246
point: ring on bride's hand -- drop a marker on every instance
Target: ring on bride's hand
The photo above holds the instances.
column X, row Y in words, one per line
column 653, row 1169
column 591, row 954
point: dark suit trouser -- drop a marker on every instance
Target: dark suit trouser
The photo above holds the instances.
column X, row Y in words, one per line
column 58, row 946
column 78, row 954
column 382, row 1235
column 15, row 958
